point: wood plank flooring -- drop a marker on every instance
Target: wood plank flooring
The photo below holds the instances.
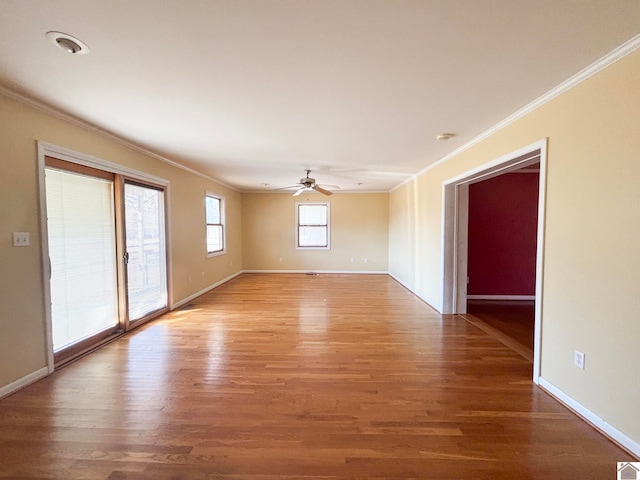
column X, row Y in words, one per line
column 296, row 376
column 511, row 322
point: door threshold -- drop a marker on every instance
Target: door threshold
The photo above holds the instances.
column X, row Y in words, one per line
column 506, row 340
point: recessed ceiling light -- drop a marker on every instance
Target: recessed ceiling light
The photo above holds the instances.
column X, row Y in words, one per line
column 68, row 43
column 445, row 136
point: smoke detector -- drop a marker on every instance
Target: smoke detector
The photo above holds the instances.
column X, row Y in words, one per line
column 445, row 136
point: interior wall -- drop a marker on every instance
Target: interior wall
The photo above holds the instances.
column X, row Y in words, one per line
column 591, row 264
column 22, row 310
column 503, row 225
column 359, row 224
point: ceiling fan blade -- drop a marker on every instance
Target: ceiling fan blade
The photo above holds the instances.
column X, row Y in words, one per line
column 329, row 187
column 321, row 190
column 300, row 190
column 285, row 188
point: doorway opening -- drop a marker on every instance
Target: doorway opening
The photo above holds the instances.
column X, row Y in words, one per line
column 456, row 235
column 502, row 227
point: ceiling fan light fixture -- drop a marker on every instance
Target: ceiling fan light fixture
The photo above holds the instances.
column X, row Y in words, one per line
column 307, row 183
column 68, row 43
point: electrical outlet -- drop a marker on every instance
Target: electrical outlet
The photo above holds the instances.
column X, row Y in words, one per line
column 365, row 260
column 578, row 359
column 21, row 239
column 280, row 259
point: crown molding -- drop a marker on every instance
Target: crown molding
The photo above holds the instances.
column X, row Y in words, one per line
column 597, row 66
column 77, row 122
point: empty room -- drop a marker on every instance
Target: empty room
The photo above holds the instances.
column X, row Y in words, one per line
column 279, row 239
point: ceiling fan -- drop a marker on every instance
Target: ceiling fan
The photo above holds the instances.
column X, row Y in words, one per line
column 308, row 183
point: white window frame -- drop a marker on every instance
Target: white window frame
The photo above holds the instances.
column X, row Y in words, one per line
column 222, row 223
column 328, row 206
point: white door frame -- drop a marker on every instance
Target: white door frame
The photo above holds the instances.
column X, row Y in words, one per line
column 455, row 214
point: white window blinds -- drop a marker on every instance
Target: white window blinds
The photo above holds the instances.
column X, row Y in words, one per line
column 313, row 225
column 82, row 252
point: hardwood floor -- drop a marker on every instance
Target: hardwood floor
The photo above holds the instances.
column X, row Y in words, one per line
column 295, row 376
column 511, row 322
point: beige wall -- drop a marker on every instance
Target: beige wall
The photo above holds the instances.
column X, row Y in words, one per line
column 591, row 292
column 359, row 230
column 22, row 318
column 591, row 281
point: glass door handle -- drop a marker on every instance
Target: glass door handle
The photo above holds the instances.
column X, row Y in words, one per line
column 125, row 257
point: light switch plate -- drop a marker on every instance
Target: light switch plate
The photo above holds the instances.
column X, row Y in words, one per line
column 21, row 239
column 578, row 359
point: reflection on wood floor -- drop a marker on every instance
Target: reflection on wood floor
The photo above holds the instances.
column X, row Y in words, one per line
column 295, row 376
column 511, row 322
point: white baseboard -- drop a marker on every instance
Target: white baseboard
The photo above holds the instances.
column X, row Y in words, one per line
column 186, row 300
column 341, row 272
column 501, row 297
column 434, row 305
column 24, row 381
column 592, row 418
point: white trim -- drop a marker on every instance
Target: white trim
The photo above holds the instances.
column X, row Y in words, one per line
column 542, row 212
column 168, row 244
column 597, row 66
column 451, row 268
column 501, row 297
column 503, row 164
column 499, row 165
column 334, row 192
column 598, row 422
column 223, row 222
column 45, row 261
column 322, row 272
column 43, row 107
column 24, row 381
column 456, row 204
column 610, row 58
column 448, row 266
column 87, row 160
column 461, row 272
column 48, row 149
column 429, row 302
column 186, row 300
column 328, row 246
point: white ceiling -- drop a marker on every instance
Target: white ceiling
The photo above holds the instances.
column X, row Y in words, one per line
column 255, row 91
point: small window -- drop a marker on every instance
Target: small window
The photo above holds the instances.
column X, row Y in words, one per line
column 313, row 225
column 215, row 224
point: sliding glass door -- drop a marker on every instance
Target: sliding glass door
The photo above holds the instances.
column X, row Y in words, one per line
column 82, row 253
column 145, row 250
column 107, row 255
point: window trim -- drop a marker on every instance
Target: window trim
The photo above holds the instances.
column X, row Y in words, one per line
column 221, row 224
column 328, row 225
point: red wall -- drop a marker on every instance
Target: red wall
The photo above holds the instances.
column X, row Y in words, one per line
column 503, row 216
